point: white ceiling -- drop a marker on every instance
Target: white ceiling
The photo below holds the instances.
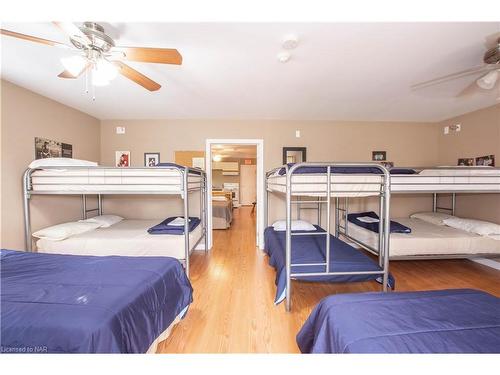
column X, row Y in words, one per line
column 339, row 71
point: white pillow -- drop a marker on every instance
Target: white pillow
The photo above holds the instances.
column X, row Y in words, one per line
column 436, row 218
column 483, row 228
column 62, row 231
column 104, row 221
column 280, row 225
column 61, row 162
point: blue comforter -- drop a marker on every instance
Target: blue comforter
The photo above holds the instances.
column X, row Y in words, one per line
column 311, row 249
column 395, row 226
column 86, row 304
column 442, row 321
column 353, row 170
column 165, row 228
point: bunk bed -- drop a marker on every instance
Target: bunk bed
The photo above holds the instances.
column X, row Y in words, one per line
column 222, row 210
column 317, row 255
column 165, row 179
column 55, row 303
column 429, row 240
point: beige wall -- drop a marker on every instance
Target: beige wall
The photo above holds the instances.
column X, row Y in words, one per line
column 479, row 136
column 26, row 115
column 407, row 144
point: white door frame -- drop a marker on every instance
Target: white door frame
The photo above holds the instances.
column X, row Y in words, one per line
column 260, row 183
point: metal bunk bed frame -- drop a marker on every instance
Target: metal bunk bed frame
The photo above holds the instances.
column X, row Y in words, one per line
column 343, row 229
column 184, row 191
column 384, row 206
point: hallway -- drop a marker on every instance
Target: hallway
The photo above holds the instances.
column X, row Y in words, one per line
column 233, row 309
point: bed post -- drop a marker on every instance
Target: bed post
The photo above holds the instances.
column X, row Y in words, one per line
column 434, row 202
column 99, row 204
column 328, row 214
column 387, row 226
column 205, row 208
column 186, row 217
column 288, row 238
column 26, row 206
column 453, row 203
column 337, row 209
column 381, row 248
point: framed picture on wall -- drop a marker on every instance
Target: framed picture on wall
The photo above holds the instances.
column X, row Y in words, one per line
column 379, row 155
column 488, row 160
column 151, row 159
column 122, row 158
column 48, row 148
column 466, row 162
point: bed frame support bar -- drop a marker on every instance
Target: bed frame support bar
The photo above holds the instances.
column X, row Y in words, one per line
column 451, row 209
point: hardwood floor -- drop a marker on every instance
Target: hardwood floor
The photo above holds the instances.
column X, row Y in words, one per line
column 233, row 309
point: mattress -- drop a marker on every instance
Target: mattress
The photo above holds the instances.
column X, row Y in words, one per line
column 127, row 238
column 442, row 321
column 307, row 249
column 357, row 185
column 314, row 185
column 83, row 304
column 428, row 239
column 101, row 179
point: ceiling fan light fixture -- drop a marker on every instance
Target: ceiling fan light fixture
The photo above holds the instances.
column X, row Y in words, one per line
column 74, row 64
column 106, row 69
column 488, row 81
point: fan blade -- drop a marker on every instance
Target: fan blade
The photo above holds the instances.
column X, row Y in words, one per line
column 72, row 31
column 31, row 38
column 66, row 74
column 474, row 70
column 151, row 55
column 137, row 77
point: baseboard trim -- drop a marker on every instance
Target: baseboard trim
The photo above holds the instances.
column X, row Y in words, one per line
column 487, row 262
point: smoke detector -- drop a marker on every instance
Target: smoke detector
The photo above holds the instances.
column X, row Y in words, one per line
column 283, row 57
column 290, row 41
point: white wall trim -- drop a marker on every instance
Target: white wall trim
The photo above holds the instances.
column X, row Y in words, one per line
column 260, row 182
column 487, row 262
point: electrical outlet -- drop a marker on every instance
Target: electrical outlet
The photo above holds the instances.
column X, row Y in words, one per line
column 120, row 130
column 446, row 130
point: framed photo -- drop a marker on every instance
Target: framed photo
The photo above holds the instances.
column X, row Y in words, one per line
column 388, row 164
column 122, row 158
column 379, row 155
column 488, row 160
column 294, row 155
column 48, row 148
column 151, row 159
column 466, row 162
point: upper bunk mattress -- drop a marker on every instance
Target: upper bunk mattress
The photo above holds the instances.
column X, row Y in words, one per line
column 428, row 239
column 94, row 179
column 442, row 321
column 81, row 304
column 128, row 238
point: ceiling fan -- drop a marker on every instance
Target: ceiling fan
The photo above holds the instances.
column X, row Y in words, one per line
column 489, row 71
column 98, row 56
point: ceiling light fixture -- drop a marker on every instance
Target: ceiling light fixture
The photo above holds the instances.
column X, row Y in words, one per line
column 488, row 81
column 217, row 158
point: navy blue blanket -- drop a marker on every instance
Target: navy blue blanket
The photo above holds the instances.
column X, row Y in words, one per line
column 395, row 226
column 164, row 228
column 311, row 249
column 87, row 304
column 353, row 170
column 442, row 321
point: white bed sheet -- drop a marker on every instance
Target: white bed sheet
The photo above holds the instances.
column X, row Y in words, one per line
column 428, row 239
column 110, row 179
column 126, row 238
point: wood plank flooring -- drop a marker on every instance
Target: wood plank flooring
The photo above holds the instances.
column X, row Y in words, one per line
column 233, row 309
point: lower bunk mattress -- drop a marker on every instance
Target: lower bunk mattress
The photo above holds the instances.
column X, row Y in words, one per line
column 312, row 249
column 84, row 304
column 127, row 238
column 427, row 239
column 442, row 321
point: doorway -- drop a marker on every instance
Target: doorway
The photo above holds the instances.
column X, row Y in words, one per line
column 251, row 168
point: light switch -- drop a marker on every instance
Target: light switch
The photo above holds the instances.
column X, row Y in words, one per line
column 297, row 133
column 120, row 130
column 446, row 130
